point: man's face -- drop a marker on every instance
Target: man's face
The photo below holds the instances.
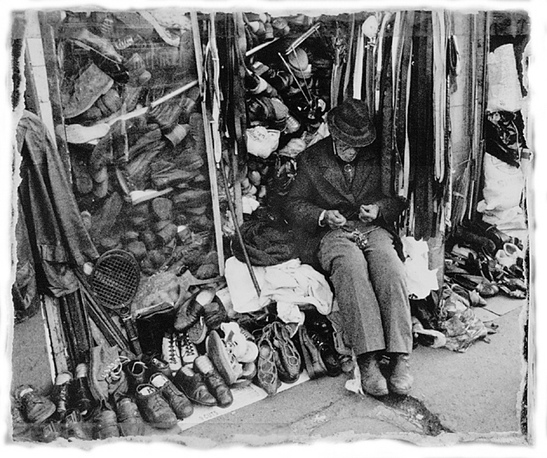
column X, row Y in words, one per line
column 344, row 151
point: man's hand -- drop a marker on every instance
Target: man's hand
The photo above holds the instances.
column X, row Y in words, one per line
column 368, row 213
column 334, row 219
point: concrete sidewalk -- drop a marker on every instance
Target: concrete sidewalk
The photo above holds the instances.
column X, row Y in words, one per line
column 456, row 396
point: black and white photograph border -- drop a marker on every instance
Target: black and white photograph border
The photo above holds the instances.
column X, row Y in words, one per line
column 479, row 385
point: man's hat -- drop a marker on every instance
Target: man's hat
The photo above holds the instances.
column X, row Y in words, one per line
column 350, row 123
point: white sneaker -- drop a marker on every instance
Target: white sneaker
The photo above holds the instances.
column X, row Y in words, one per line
column 171, row 353
column 188, row 351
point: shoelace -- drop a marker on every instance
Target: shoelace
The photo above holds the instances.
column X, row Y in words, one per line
column 172, row 349
column 187, row 347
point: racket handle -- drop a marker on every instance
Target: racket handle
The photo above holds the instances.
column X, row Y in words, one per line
column 132, row 334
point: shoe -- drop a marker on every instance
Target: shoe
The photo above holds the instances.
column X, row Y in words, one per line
column 171, row 352
column 81, row 394
column 197, row 332
column 214, row 313
column 130, row 421
column 46, row 432
column 106, row 424
column 138, row 75
column 372, row 380
column 177, row 401
column 60, row 395
column 400, row 380
column 328, row 354
column 266, row 372
column 193, row 386
column 287, row 352
column 215, row 384
column 154, row 408
column 72, row 426
column 188, row 350
column 157, row 365
column 137, row 372
column 241, row 342
column 35, row 407
column 313, row 362
column 88, row 88
column 190, row 310
column 223, row 358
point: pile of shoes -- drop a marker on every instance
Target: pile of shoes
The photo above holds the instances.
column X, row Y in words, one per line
column 482, row 261
column 61, row 414
column 141, row 182
column 285, row 103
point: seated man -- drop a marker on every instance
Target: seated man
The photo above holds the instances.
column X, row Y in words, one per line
column 337, row 194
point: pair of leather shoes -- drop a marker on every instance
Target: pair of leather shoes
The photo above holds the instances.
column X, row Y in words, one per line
column 203, row 303
column 202, row 384
column 374, row 382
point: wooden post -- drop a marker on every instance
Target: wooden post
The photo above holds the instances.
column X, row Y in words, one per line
column 55, row 334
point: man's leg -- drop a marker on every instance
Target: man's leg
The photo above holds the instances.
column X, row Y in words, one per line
column 388, row 280
column 359, row 308
column 387, row 275
column 349, row 274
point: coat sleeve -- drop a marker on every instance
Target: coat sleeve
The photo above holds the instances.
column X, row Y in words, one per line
column 301, row 209
column 390, row 208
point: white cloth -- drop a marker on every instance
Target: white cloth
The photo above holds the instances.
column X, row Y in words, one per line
column 504, row 93
column 420, row 280
column 289, row 284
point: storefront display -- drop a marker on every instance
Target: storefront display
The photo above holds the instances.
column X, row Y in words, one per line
column 166, row 250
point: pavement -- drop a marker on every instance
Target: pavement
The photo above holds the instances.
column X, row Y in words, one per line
column 457, row 397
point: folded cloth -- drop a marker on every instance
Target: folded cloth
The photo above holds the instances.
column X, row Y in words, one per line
column 287, row 283
column 266, row 244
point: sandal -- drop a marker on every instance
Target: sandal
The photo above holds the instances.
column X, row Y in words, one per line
column 289, row 358
column 266, row 374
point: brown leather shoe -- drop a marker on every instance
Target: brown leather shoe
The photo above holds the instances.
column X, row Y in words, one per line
column 180, row 404
column 154, row 408
column 193, row 386
column 400, row 380
column 372, row 380
column 216, row 385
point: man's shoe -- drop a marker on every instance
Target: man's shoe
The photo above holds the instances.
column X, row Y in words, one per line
column 192, row 384
column 89, row 86
column 35, row 407
column 106, row 424
column 60, row 393
column 177, row 401
column 400, row 380
column 158, row 365
column 136, row 371
column 130, row 421
column 191, row 309
column 372, row 380
column 72, row 426
column 170, row 352
column 216, row 385
column 154, row 408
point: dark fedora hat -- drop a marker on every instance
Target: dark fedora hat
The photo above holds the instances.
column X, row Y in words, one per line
column 350, row 123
